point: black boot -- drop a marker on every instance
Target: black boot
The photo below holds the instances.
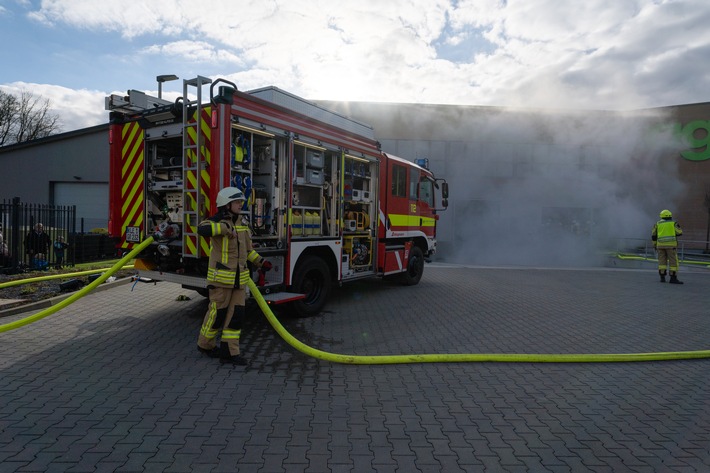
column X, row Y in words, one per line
column 226, row 357
column 674, row 279
column 237, row 360
column 663, row 276
column 213, row 353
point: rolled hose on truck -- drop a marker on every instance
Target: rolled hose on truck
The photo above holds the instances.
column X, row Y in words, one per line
column 385, row 359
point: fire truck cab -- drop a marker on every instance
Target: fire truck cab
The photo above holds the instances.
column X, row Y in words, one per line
column 324, row 203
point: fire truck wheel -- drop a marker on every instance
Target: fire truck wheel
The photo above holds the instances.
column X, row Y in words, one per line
column 415, row 267
column 311, row 278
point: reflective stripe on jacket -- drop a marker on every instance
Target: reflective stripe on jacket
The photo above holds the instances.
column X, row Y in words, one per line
column 228, row 256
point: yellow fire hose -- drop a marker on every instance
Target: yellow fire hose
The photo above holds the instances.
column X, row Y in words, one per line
column 48, row 277
column 79, row 294
column 622, row 256
column 388, row 359
column 463, row 357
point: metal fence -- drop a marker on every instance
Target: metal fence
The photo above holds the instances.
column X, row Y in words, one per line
column 63, row 245
column 688, row 250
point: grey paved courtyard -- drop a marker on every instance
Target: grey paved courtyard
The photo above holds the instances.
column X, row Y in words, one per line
column 114, row 382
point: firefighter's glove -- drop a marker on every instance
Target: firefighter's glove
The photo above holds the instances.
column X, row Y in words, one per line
column 266, row 265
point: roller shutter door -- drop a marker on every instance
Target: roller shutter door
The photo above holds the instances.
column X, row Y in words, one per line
column 91, row 200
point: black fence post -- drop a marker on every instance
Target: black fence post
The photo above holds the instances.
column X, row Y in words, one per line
column 15, row 222
column 83, row 239
column 72, row 225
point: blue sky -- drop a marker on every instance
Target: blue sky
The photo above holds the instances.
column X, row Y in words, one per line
column 597, row 54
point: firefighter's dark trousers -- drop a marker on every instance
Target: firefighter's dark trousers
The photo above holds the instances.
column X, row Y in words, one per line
column 667, row 259
column 225, row 316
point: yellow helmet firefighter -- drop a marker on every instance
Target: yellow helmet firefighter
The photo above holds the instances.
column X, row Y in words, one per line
column 665, row 239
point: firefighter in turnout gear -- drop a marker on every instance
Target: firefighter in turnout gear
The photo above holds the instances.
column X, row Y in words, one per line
column 664, row 236
column 227, row 275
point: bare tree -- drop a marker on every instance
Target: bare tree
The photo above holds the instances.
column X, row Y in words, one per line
column 8, row 111
column 25, row 118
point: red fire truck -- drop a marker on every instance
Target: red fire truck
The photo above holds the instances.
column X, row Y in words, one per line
column 325, row 204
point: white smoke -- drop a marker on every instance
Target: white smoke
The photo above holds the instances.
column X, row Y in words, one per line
column 553, row 189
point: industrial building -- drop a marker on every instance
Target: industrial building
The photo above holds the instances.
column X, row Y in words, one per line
column 64, row 169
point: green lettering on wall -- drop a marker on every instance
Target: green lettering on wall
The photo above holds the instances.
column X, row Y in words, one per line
column 697, row 135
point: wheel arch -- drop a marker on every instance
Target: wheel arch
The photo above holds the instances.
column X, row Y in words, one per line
column 310, row 278
column 422, row 243
column 323, row 252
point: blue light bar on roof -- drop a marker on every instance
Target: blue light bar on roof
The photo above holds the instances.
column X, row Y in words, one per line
column 423, row 162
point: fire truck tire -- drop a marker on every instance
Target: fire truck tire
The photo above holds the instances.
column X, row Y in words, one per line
column 312, row 278
column 415, row 267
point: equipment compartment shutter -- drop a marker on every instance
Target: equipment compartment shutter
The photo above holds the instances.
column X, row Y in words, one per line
column 91, row 200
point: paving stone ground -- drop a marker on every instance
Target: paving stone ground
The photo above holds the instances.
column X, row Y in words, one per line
column 114, row 382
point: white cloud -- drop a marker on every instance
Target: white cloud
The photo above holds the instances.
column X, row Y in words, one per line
column 75, row 108
column 130, row 18
column 541, row 53
column 194, row 51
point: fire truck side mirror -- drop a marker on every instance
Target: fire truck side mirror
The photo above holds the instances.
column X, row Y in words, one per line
column 445, row 203
column 444, row 191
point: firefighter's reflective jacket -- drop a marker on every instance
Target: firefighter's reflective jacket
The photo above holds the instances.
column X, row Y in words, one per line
column 665, row 232
column 228, row 256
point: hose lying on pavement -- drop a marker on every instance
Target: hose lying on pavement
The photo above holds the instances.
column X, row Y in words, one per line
column 19, row 282
column 385, row 359
column 622, row 257
column 463, row 357
column 79, row 294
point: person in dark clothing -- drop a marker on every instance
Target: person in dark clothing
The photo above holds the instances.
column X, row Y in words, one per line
column 37, row 244
column 60, row 247
column 4, row 252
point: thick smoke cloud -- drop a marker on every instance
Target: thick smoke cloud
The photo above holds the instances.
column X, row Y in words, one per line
column 550, row 189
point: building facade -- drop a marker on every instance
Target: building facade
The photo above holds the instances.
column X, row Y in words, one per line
column 64, row 169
